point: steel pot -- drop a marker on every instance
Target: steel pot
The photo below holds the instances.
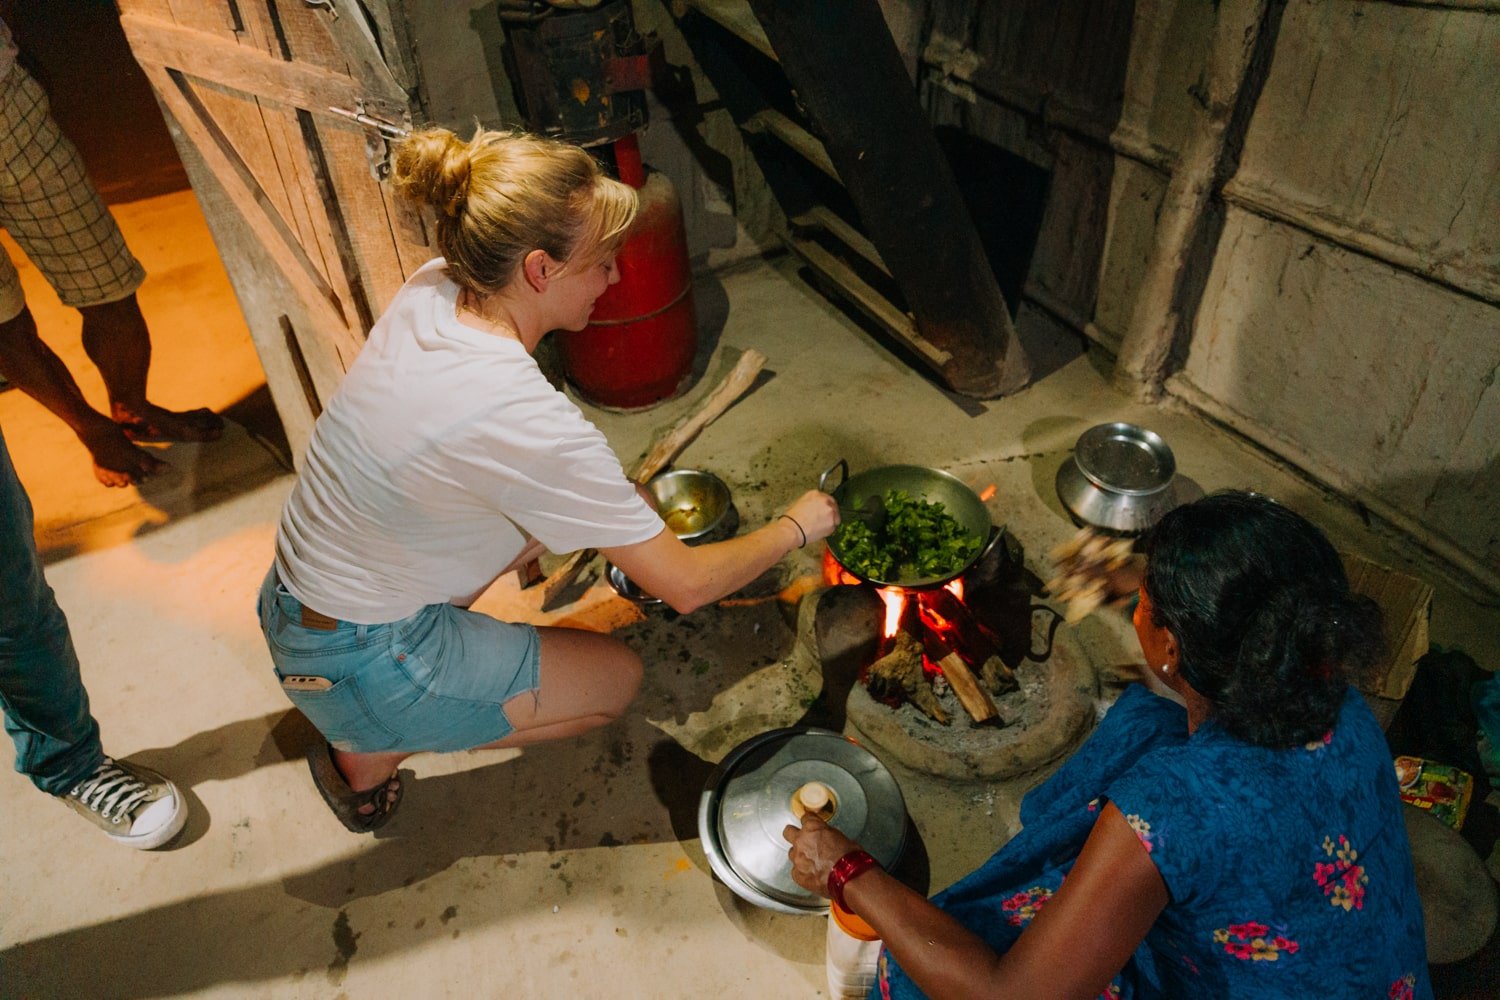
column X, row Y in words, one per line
column 918, row 482
column 747, row 802
column 1121, row 478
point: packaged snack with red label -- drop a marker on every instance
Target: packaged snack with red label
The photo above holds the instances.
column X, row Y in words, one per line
column 1441, row 789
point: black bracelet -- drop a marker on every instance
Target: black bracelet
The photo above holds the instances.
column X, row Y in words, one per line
column 789, row 517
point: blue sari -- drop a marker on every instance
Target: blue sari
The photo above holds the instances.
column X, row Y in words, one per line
column 1288, row 871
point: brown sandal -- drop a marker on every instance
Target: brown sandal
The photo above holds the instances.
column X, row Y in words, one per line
column 345, row 801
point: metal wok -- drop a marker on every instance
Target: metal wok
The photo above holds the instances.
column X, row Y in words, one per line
column 918, row 482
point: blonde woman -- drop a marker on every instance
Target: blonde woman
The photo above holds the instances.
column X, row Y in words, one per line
column 446, row 459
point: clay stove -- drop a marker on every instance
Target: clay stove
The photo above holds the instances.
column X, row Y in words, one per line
column 947, row 680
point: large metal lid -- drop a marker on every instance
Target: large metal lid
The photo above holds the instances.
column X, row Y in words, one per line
column 748, row 802
column 1125, row 458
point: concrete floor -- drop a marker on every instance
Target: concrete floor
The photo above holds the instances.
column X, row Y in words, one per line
column 571, row 869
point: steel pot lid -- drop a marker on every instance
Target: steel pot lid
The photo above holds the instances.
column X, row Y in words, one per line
column 748, row 802
column 1125, row 458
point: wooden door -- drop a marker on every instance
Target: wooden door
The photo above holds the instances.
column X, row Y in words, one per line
column 314, row 243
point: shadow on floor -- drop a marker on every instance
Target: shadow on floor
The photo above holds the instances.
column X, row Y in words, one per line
column 252, row 452
column 558, row 799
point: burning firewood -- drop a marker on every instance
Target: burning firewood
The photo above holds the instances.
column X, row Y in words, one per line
column 899, row 675
column 975, row 700
column 969, row 638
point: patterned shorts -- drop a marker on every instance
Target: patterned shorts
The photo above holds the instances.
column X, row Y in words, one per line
column 51, row 209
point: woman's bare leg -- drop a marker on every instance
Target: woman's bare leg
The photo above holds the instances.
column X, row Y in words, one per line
column 587, row 680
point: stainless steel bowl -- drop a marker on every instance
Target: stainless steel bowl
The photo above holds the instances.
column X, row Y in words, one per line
column 694, row 503
column 1121, row 478
column 696, row 506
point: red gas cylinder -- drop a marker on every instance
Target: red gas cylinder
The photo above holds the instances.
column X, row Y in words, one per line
column 639, row 345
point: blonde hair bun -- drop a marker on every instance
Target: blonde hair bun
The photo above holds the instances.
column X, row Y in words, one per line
column 433, row 166
column 501, row 195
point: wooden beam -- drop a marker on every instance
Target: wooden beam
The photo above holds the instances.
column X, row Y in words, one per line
column 160, row 44
column 824, row 218
column 1243, row 37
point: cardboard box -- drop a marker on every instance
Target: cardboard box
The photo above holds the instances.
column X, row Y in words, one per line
column 1406, row 603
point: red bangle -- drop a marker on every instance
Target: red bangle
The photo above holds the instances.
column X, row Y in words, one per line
column 851, row 865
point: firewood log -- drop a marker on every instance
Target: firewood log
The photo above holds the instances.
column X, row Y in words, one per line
column 997, row 677
column 899, row 674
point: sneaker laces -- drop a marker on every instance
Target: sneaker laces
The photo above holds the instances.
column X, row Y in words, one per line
column 112, row 792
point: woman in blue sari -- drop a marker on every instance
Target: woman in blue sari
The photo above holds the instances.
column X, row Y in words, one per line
column 1247, row 842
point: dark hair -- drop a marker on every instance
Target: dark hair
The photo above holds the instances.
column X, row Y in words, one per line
column 1266, row 626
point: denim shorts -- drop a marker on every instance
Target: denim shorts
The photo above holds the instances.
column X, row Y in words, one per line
column 438, row 680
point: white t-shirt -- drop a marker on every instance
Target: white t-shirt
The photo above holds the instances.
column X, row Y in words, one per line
column 441, row 447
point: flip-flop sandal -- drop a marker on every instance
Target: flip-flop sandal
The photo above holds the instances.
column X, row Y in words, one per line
column 345, row 801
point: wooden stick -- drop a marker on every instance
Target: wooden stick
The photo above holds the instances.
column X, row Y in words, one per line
column 668, row 446
column 975, row 699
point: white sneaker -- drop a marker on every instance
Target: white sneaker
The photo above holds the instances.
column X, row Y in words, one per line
column 131, row 804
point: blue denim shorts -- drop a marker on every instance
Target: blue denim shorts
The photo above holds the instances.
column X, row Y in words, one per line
column 438, row 680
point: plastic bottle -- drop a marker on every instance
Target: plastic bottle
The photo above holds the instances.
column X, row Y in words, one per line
column 853, row 952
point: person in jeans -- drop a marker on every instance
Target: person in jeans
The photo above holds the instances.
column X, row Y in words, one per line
column 53, row 212
column 46, row 707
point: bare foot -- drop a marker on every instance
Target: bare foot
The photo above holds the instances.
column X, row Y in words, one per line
column 153, row 423
column 117, row 462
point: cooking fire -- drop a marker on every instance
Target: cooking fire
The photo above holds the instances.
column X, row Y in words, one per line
column 930, row 638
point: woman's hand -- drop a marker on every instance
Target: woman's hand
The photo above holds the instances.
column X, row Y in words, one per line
column 816, row 848
column 816, row 513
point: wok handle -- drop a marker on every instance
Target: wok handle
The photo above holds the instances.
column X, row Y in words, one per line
column 842, row 467
column 996, row 533
column 1041, row 655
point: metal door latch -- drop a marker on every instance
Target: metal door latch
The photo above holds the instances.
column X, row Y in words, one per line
column 325, row 5
column 379, row 132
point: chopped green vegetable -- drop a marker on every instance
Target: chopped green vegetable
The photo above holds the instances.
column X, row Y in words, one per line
column 918, row 540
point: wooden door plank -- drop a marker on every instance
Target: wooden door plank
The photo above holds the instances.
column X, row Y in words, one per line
column 150, row 8
column 265, row 297
column 412, row 232
column 212, row 18
column 304, row 32
column 325, row 311
column 291, row 164
column 257, row 32
column 338, row 218
column 352, row 38
column 371, row 240
column 238, row 67
column 242, row 122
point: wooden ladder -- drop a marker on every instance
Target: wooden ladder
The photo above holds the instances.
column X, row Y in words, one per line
column 852, row 121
